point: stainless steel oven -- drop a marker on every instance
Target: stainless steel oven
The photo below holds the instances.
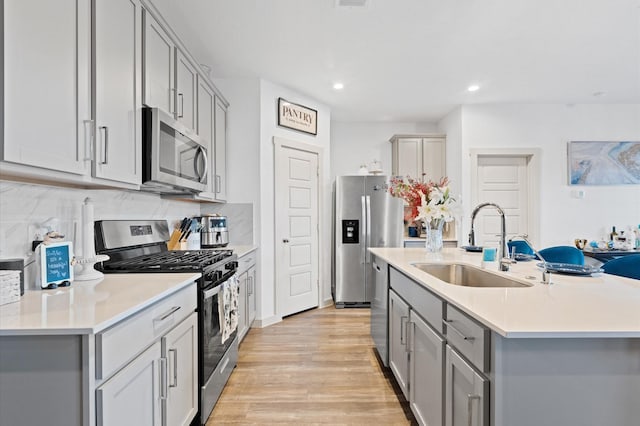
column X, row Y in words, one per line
column 219, row 354
column 175, row 159
column 140, row 246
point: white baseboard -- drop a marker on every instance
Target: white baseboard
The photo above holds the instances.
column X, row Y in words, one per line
column 265, row 322
column 326, row 302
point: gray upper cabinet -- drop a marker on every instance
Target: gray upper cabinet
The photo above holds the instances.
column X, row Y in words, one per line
column 413, row 155
column 159, row 69
column 186, row 91
column 64, row 120
column 170, row 78
column 117, row 101
column 220, row 180
column 47, row 84
column 206, row 130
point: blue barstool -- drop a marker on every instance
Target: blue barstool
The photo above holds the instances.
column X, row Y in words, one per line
column 520, row 247
column 624, row 266
column 563, row 254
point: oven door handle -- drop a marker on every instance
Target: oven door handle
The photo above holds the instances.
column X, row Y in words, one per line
column 211, row 292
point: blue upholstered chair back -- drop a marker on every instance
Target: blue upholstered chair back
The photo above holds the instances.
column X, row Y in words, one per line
column 563, row 254
column 625, row 266
column 520, row 246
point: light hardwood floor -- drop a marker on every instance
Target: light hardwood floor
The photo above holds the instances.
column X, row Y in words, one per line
column 316, row 367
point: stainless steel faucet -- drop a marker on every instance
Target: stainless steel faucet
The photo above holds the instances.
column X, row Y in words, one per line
column 502, row 252
column 546, row 274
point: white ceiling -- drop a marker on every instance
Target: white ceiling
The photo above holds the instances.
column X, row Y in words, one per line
column 412, row 60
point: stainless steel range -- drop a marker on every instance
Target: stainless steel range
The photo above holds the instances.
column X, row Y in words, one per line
column 139, row 246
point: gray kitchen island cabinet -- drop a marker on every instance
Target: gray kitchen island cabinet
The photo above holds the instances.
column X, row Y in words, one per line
column 456, row 370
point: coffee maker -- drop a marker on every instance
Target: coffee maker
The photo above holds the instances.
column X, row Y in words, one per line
column 213, row 231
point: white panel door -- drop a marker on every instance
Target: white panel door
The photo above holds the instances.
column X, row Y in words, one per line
column 296, row 212
column 47, row 71
column 505, row 182
column 118, row 90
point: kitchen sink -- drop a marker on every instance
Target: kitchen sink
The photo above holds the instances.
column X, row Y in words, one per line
column 468, row 276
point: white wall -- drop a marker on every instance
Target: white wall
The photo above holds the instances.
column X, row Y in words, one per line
column 353, row 144
column 269, row 94
column 549, row 127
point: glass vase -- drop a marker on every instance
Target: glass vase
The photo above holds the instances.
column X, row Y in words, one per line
column 433, row 232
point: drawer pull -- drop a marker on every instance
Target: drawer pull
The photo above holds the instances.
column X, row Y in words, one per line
column 449, row 324
column 167, row 314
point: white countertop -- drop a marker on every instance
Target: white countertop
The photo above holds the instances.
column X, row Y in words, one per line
column 88, row 307
column 240, row 250
column 602, row 305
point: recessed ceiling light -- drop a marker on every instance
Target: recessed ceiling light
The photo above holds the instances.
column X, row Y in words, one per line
column 473, row 88
column 598, row 94
column 338, row 86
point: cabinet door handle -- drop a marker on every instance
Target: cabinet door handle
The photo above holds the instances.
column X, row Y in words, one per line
column 218, row 184
column 409, row 336
column 175, row 368
column 106, row 144
column 449, row 325
column 402, row 329
column 88, row 140
column 181, row 99
column 470, row 399
column 167, row 314
column 163, row 378
column 172, row 100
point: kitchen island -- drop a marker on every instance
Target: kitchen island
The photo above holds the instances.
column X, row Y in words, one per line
column 561, row 354
column 95, row 352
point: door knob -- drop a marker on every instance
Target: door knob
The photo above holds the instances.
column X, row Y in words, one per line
column 284, row 240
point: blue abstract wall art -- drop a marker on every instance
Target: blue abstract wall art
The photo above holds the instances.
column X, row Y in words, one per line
column 604, row 163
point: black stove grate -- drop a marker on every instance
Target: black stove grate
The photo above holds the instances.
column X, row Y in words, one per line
column 170, row 261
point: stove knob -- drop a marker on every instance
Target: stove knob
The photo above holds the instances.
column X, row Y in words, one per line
column 231, row 265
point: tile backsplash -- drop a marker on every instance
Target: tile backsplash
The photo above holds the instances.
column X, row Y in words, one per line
column 28, row 209
column 25, row 207
column 239, row 220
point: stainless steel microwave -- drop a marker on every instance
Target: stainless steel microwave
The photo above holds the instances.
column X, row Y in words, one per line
column 175, row 159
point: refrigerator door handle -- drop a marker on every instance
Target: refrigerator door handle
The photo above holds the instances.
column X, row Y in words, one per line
column 368, row 240
column 363, row 231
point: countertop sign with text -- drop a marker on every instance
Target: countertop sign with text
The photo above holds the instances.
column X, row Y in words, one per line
column 297, row 117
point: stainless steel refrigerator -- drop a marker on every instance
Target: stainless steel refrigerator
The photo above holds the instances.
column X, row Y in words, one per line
column 365, row 215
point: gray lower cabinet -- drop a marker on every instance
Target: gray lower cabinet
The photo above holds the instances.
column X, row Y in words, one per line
column 247, row 302
column 398, row 352
column 436, row 385
column 130, row 396
column 493, row 380
column 466, row 393
column 425, row 371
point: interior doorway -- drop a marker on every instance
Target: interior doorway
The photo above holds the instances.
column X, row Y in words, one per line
column 296, row 226
column 508, row 178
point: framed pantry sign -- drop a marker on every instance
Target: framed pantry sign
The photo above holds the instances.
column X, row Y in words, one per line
column 297, row 117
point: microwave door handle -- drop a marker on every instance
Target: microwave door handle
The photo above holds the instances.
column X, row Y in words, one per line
column 203, row 152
